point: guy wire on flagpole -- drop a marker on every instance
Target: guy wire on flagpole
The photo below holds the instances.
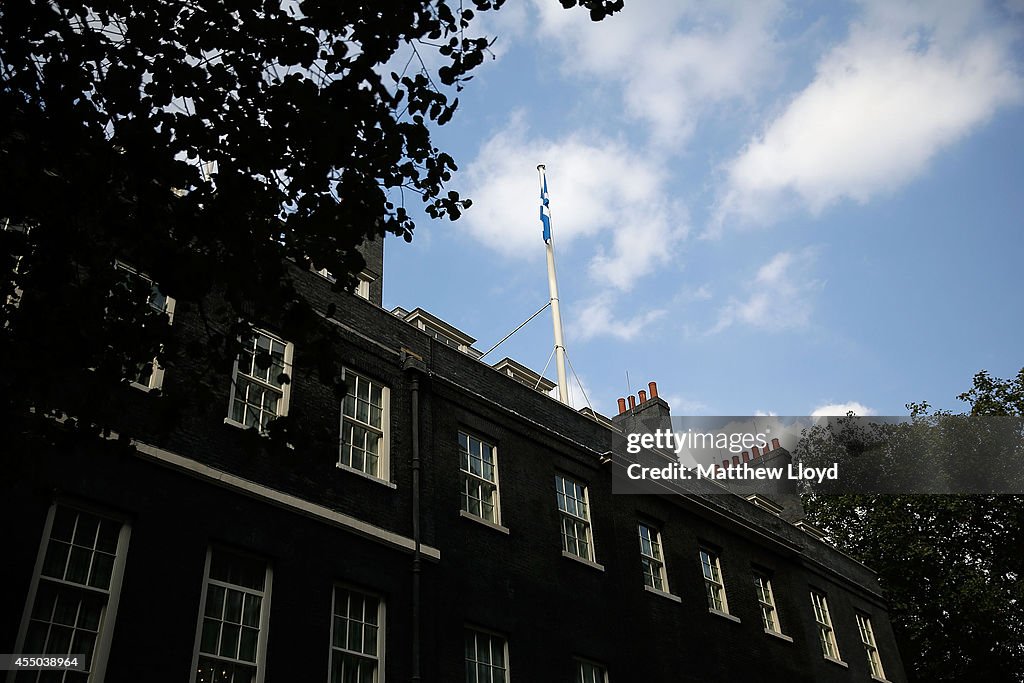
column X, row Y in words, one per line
column 541, row 376
column 578, row 382
column 521, row 326
column 556, row 315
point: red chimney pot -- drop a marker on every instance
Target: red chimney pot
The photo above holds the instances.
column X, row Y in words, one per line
column 725, row 463
column 622, row 406
column 746, row 456
column 735, row 460
column 643, row 396
column 653, row 386
column 756, row 451
column 775, row 444
column 632, row 402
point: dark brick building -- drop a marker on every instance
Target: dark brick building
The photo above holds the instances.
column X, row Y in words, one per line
column 443, row 522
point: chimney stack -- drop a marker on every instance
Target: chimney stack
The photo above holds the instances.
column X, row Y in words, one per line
column 646, row 414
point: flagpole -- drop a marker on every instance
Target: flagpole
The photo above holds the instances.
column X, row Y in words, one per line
column 556, row 315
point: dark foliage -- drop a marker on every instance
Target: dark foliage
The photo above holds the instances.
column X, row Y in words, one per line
column 204, row 142
column 951, row 566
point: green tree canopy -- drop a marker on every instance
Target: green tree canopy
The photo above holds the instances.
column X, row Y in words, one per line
column 951, row 566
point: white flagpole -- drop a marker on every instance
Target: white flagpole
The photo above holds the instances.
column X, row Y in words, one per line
column 556, row 315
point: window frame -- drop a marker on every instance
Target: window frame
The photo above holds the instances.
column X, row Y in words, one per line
column 265, row 594
column 378, row 676
column 362, row 289
column 766, row 601
column 108, row 617
column 491, row 636
column 565, row 515
column 714, row 585
column 285, row 389
column 826, row 631
column 156, row 374
column 14, row 299
column 384, row 451
column 864, row 628
column 581, row 672
column 466, row 476
column 654, row 538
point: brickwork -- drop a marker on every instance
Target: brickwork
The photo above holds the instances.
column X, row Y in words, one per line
column 513, row 581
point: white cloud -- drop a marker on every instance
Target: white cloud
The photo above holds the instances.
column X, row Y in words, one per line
column 504, row 27
column 605, row 198
column 781, row 295
column 910, row 80
column 597, row 318
column 690, row 294
column 672, row 58
column 841, row 409
column 761, row 413
column 682, row 405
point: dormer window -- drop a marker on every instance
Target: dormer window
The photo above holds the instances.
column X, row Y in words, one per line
column 524, row 375
column 362, row 289
column 438, row 329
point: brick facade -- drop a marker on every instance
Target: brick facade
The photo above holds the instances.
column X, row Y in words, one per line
column 193, row 482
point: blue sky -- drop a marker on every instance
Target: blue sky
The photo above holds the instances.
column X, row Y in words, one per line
column 762, row 206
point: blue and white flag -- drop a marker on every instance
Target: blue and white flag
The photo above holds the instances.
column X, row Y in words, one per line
column 545, row 209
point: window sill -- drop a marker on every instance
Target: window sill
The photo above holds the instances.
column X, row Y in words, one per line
column 724, row 615
column 238, row 425
column 880, row 680
column 780, row 636
column 667, row 596
column 481, row 520
column 838, row 661
column 364, row 475
column 583, row 560
column 143, row 387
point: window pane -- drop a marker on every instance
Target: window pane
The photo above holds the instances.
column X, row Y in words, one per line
column 233, row 607
column 247, row 644
column 85, row 530
column 56, row 559
column 229, row 640
column 63, row 524
column 66, row 611
column 237, row 569
column 102, row 567
column 251, row 612
column 214, row 601
column 106, row 541
column 208, row 640
column 78, row 565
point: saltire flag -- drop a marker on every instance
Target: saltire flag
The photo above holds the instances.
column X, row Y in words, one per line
column 545, row 209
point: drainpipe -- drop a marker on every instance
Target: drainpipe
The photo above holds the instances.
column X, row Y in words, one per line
column 416, row 557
